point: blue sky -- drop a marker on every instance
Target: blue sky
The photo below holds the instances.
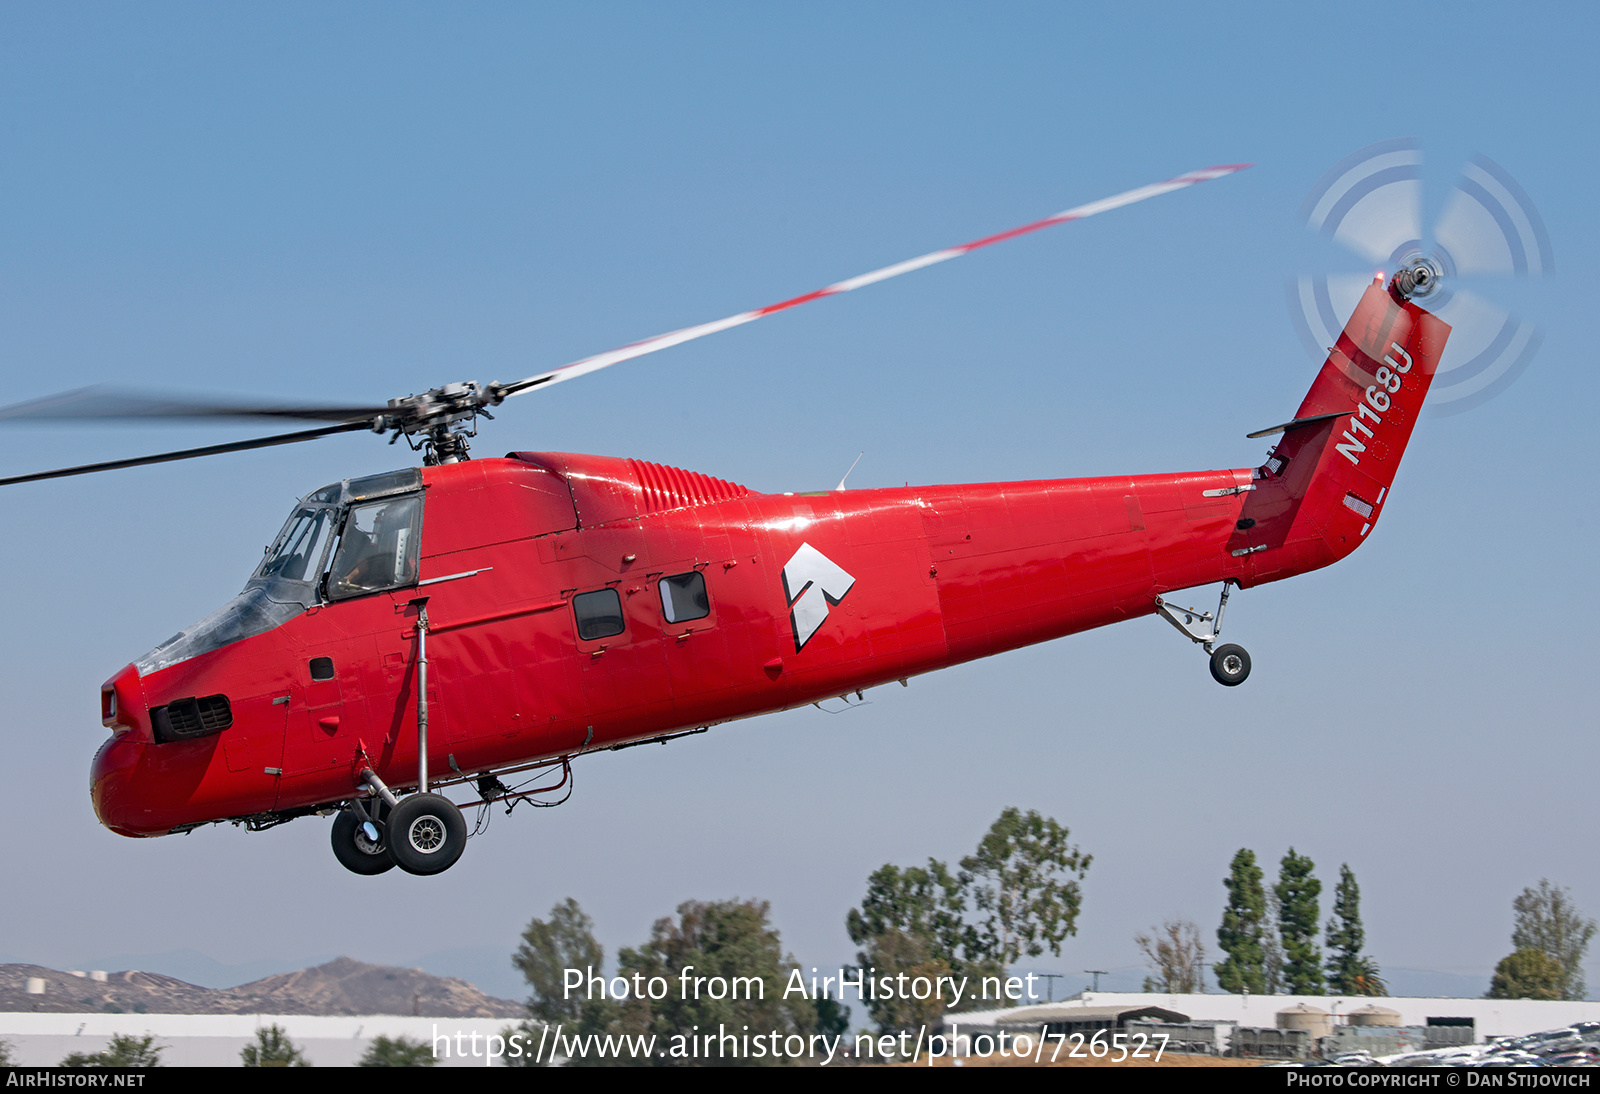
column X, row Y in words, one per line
column 358, row 201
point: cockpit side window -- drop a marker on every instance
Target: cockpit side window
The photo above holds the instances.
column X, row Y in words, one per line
column 378, row 547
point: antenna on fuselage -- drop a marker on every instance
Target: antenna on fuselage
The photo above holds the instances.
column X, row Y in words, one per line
column 863, row 452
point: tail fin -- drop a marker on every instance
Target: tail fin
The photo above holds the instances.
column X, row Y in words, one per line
column 1324, row 485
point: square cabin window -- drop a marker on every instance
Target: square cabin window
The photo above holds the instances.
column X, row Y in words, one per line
column 683, row 597
column 599, row 614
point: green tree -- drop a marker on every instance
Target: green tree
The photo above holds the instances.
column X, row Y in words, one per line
column 1272, row 944
column 1367, row 979
column 730, row 940
column 1025, row 877
column 1298, row 920
column 1526, row 974
column 273, row 1049
column 1176, row 954
column 927, row 904
column 833, row 1017
column 400, row 1051
column 1017, row 894
column 125, row 1050
column 1548, row 921
column 5, row 1054
column 900, row 952
column 911, row 922
column 1243, row 926
column 1349, row 973
column 551, row 947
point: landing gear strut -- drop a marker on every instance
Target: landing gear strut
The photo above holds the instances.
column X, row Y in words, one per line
column 422, row 833
column 1230, row 665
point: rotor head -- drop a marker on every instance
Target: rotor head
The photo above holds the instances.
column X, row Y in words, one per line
column 1419, row 277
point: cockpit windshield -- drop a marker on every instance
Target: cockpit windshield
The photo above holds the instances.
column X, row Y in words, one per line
column 348, row 539
column 298, row 553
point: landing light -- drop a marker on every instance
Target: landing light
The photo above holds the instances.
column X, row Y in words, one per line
column 108, row 710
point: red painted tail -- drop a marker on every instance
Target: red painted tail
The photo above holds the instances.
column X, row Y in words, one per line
column 1324, row 485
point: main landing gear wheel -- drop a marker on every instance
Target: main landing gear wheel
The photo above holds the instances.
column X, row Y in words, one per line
column 426, row 834
column 355, row 851
column 1230, row 665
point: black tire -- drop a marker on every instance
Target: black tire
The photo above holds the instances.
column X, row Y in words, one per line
column 1230, row 665
column 426, row 834
column 351, row 847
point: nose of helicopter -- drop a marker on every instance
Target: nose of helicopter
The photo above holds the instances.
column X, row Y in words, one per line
column 111, row 784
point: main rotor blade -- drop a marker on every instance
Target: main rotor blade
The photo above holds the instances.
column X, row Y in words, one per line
column 186, row 454
column 105, row 403
column 687, row 334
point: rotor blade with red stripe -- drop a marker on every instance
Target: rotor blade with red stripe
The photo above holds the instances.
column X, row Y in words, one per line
column 688, row 334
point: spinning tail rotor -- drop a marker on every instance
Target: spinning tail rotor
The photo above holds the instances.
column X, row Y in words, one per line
column 1371, row 203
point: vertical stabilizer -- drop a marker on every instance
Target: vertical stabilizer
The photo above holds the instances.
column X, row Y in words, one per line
column 1325, row 483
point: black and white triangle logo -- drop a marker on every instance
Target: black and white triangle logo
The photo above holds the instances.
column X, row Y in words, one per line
column 812, row 582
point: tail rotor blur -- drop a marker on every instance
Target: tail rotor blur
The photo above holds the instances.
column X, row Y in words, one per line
column 1371, row 203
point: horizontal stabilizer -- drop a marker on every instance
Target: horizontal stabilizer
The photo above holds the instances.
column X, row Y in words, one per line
column 1296, row 424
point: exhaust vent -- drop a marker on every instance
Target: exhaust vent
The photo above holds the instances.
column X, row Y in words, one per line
column 1357, row 505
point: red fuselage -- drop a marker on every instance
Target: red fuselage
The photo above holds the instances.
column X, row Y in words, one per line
column 940, row 575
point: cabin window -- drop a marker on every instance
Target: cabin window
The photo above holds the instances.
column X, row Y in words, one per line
column 378, row 547
column 322, row 668
column 599, row 614
column 683, row 597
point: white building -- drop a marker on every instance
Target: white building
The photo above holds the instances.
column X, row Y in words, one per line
column 215, row 1040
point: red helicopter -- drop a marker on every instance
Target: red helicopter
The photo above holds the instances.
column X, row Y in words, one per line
column 454, row 624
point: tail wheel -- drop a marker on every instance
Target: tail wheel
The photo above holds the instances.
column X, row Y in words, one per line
column 1230, row 665
column 354, row 849
column 426, row 834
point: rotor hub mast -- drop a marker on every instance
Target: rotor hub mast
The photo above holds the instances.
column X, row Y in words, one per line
column 439, row 421
column 1418, row 276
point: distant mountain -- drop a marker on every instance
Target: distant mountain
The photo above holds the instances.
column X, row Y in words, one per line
column 341, row 986
column 197, row 968
column 489, row 967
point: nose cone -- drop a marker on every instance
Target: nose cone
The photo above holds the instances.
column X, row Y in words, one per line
column 111, row 785
column 111, row 782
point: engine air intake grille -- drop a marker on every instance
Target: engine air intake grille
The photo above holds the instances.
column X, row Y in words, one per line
column 185, row 719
